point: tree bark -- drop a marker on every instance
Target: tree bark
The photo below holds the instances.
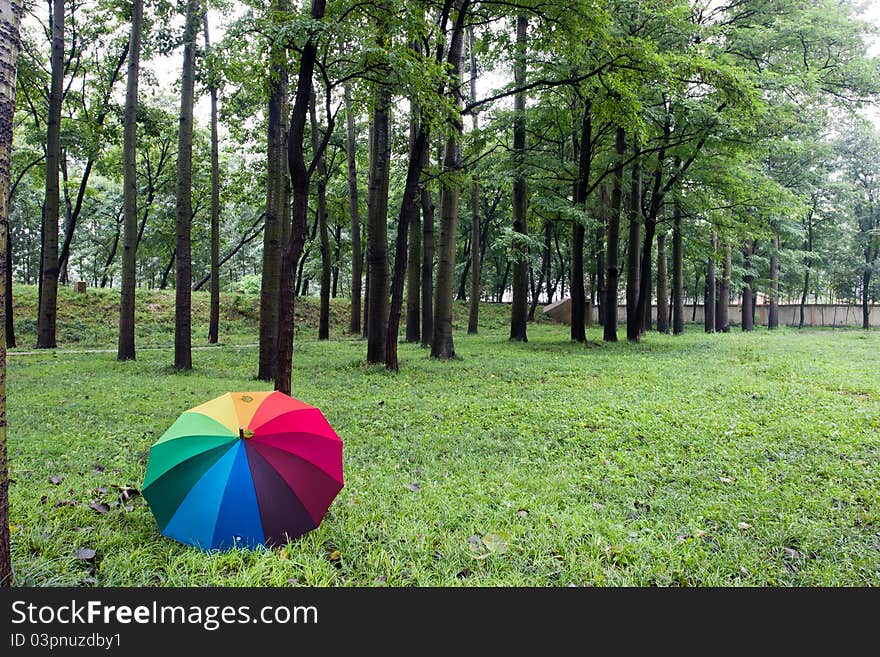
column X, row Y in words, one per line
column 214, row 314
column 377, row 224
column 519, row 307
column 613, row 271
column 722, row 319
column 183, row 281
column 747, row 297
column 10, row 19
column 324, row 235
column 578, row 295
column 476, row 265
column 276, row 201
column 677, row 274
column 709, row 304
column 442, row 345
column 545, row 270
column 414, row 240
column 300, row 178
column 126, row 346
column 409, row 211
column 427, row 260
column 662, row 284
column 48, row 302
column 601, row 224
column 633, row 316
column 354, row 323
column 773, row 315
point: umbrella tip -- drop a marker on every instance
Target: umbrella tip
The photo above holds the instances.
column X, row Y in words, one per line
column 244, row 434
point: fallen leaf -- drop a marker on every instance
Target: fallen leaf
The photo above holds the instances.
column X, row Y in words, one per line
column 725, row 480
column 85, row 554
column 793, row 554
column 415, row 488
column 335, row 556
column 522, row 513
column 381, row 580
column 44, row 499
column 127, row 492
column 55, row 481
column 744, row 571
column 465, row 572
column 293, row 581
column 744, row 525
column 61, row 503
column 100, row 507
column 699, row 533
column 496, row 542
column 97, row 467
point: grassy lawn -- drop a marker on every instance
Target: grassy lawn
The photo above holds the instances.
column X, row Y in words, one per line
column 693, row 460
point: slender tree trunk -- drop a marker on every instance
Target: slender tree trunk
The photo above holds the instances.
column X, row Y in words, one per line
column 299, row 176
column 709, row 304
column 324, row 235
column 377, row 224
column 613, row 271
column 519, row 307
column 442, row 345
column 633, row 316
column 183, row 281
column 163, row 283
column 578, row 295
column 49, row 263
column 409, row 211
column 10, row 19
column 643, row 305
column 722, row 318
column 748, row 321
column 7, row 301
column 677, row 274
column 354, row 324
column 214, row 315
column 414, row 240
column 773, row 316
column 427, row 261
column 337, row 241
column 476, row 264
column 866, row 297
column 126, row 346
column 276, row 201
column 601, row 223
column 662, row 284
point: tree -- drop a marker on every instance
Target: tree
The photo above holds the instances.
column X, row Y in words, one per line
column 611, row 258
column 354, row 324
column 276, row 204
column 677, row 273
column 48, row 304
column 183, row 226
column 214, row 312
column 10, row 18
column 126, row 346
column 476, row 260
column 519, row 307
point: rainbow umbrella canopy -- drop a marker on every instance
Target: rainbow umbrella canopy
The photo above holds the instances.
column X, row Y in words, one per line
column 243, row 470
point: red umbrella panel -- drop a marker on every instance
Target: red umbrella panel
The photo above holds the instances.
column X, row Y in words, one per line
column 244, row 469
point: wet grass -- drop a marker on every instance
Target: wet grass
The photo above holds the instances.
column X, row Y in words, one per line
column 692, row 460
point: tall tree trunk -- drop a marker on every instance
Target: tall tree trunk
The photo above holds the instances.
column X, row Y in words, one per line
column 662, row 284
column 578, row 296
column 7, row 301
column 519, row 307
column 354, row 323
column 183, row 281
column 643, row 305
column 427, row 261
column 476, row 265
column 48, row 305
column 601, row 223
column 613, row 271
column 709, row 304
column 414, row 240
column 337, row 241
column 324, row 235
column 747, row 296
column 677, row 274
column 276, row 201
column 166, row 272
column 773, row 316
column 214, row 315
column 377, row 223
column 866, row 297
column 126, row 346
column 722, row 317
column 10, row 19
column 633, row 317
column 299, row 176
column 442, row 345
column 409, row 211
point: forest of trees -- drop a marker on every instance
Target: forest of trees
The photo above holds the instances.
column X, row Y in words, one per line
column 404, row 155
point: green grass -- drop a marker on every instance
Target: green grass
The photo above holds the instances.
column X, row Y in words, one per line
column 693, row 460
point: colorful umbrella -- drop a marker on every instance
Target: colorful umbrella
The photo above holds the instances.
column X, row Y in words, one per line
column 244, row 469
